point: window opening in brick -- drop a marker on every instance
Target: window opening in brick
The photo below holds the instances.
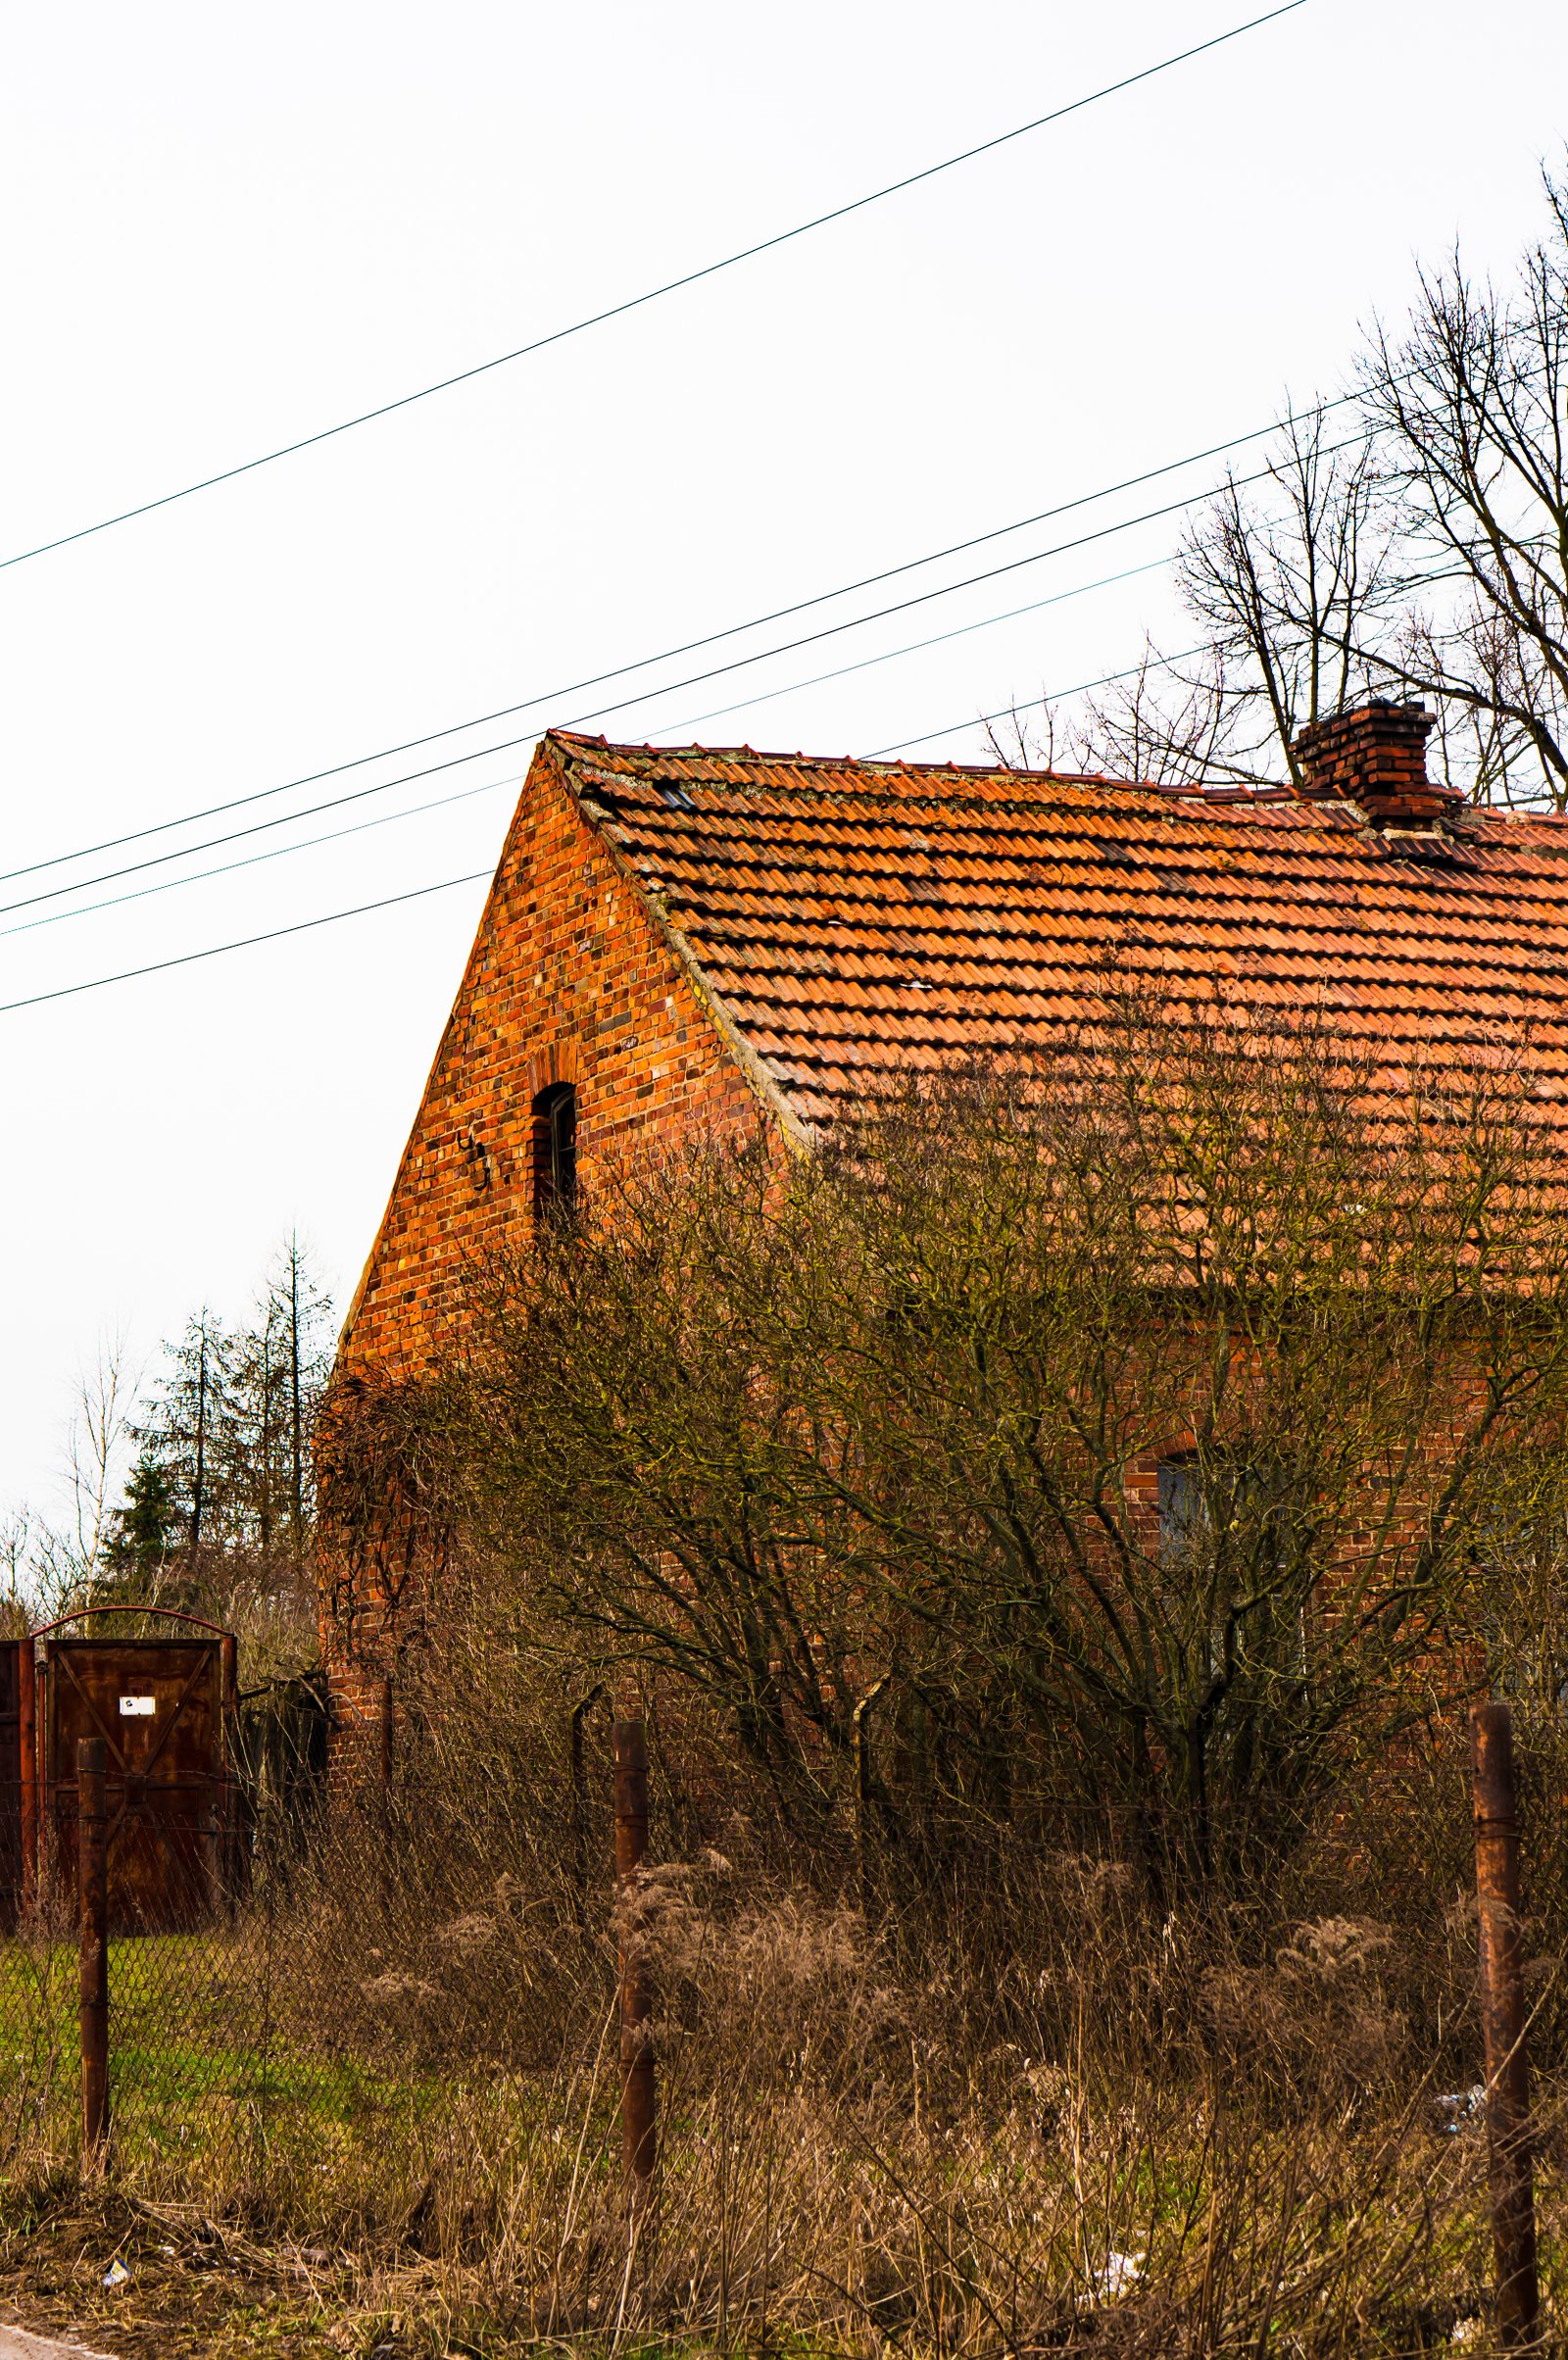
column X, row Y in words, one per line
column 1182, row 1520
column 1202, row 1499
column 1224, row 1532
column 555, row 1148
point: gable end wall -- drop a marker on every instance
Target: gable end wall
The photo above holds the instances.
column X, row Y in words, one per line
column 570, row 979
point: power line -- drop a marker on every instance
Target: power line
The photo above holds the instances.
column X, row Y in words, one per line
column 913, row 647
column 228, row 868
column 334, row 918
column 669, row 286
column 978, row 720
column 442, row 802
column 248, row 942
column 881, row 753
column 688, row 647
column 335, row 803
column 598, row 712
column 1159, row 663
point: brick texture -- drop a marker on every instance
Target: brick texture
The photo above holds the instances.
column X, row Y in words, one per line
column 572, row 978
column 1375, row 757
column 694, row 936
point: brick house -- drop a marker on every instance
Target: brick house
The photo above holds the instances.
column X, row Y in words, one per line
column 680, row 936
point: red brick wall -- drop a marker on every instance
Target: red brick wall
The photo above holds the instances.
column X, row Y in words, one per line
column 570, row 979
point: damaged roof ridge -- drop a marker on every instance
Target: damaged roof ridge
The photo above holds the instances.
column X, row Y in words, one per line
column 887, row 779
column 951, row 818
column 636, row 761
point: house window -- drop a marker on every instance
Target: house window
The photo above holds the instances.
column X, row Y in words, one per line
column 1183, row 1516
column 555, row 1148
column 1224, row 1505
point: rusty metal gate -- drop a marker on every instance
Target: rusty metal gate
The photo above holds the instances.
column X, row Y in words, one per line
column 162, row 1707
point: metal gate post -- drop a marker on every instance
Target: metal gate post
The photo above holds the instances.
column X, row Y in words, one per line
column 1503, row 2017
column 638, row 2132
column 28, row 1746
column 228, row 1756
column 91, row 1833
column 48, row 1872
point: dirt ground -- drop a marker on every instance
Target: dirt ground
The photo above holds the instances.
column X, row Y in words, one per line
column 194, row 2286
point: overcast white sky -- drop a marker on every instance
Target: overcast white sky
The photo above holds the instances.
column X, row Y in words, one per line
column 220, row 228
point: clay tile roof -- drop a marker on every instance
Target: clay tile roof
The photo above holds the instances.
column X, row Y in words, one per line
column 856, row 918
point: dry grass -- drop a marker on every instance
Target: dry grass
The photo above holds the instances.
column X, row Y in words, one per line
column 1008, row 2117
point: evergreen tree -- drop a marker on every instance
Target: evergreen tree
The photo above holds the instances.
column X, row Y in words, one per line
column 298, row 1314
column 186, row 1430
column 146, row 1528
column 229, row 1425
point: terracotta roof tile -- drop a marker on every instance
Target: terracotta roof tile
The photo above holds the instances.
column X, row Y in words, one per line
column 817, row 895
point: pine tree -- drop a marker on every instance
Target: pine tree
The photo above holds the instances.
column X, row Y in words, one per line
column 216, row 1512
column 188, row 1430
column 145, row 1530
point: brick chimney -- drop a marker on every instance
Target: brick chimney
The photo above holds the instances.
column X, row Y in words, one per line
column 1375, row 757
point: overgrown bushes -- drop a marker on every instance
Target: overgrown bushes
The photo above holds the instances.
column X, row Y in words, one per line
column 1138, row 1447
column 1054, row 1534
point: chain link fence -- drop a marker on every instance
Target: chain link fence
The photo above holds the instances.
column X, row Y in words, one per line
column 395, row 2027
column 313, row 1993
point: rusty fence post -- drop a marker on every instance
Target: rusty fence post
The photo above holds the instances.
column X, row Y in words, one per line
column 387, row 1736
column 229, row 1830
column 1503, row 2018
column 639, row 2135
column 860, row 1721
column 91, row 1830
column 578, row 1769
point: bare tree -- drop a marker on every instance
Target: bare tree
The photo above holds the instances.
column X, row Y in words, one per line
column 1410, row 540
column 892, row 1420
column 65, row 1562
column 1290, row 582
column 18, row 1533
column 98, row 1447
column 1471, row 410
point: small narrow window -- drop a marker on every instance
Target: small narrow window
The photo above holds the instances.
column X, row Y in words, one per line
column 555, row 1148
column 1182, row 1511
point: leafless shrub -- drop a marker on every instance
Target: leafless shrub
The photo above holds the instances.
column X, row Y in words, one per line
column 868, row 1455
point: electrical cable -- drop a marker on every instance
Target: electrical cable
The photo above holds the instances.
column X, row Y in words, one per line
column 1160, row 664
column 598, row 712
column 689, row 647
column 228, row 868
column 306, row 925
column 98, row 983
column 914, row 647
column 159, row 967
column 442, row 802
column 980, row 721
column 669, row 286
